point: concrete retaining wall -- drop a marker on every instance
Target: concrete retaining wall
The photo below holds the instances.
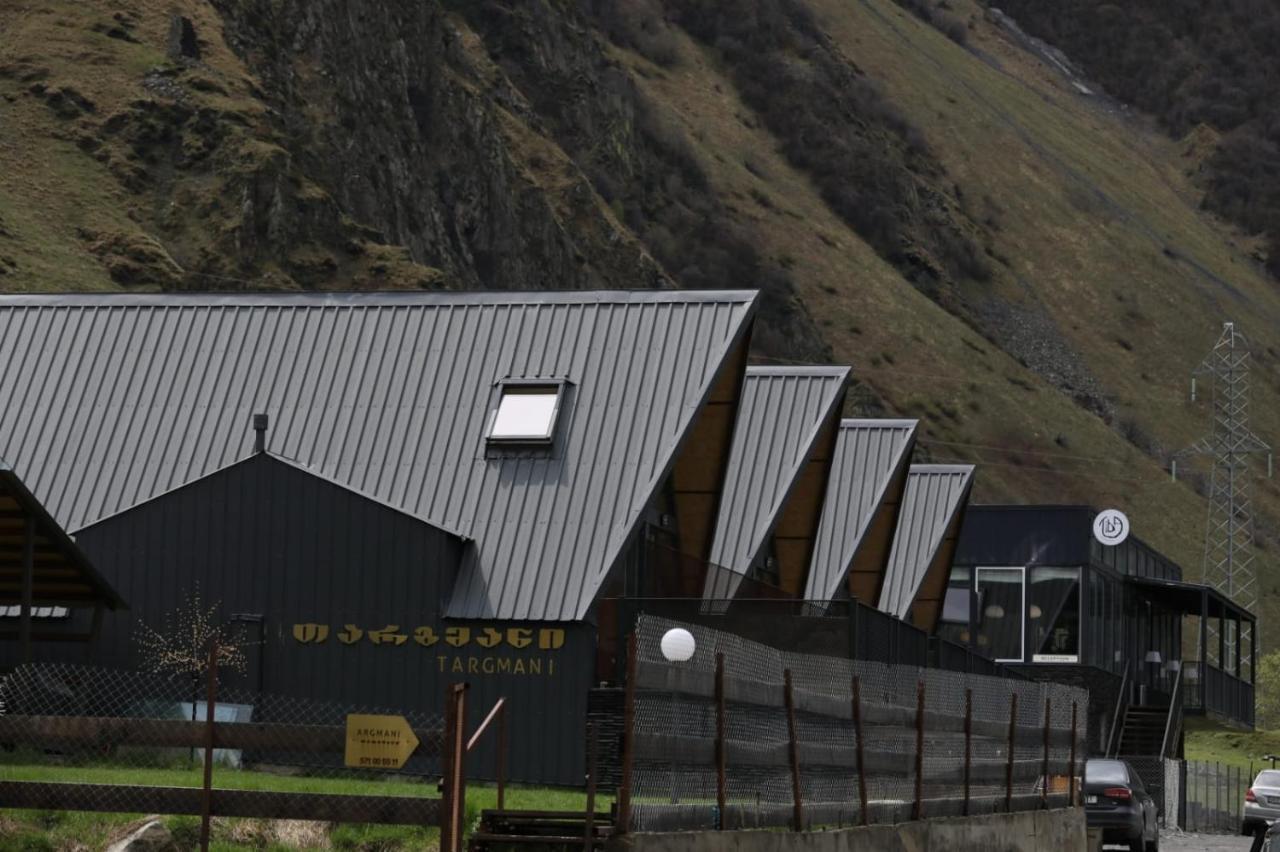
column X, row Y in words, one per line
column 1029, row 831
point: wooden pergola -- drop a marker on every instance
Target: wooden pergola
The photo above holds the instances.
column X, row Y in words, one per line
column 40, row 566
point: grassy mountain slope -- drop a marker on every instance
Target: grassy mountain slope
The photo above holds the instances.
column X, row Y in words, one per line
column 535, row 145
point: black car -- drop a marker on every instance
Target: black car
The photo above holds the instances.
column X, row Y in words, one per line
column 1116, row 801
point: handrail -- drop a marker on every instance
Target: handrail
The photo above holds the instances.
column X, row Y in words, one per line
column 1175, row 706
column 475, row 738
column 498, row 712
column 1112, row 745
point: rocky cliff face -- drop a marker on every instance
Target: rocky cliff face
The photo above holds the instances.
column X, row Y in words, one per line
column 993, row 251
column 387, row 110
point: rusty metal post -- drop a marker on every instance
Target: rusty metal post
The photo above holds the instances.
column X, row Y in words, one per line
column 918, row 809
column 862, row 764
column 797, row 810
column 446, row 771
column 721, row 792
column 206, row 793
column 968, row 745
column 502, row 756
column 628, row 739
column 589, row 829
column 1044, row 791
column 453, row 798
column 459, row 762
column 1013, row 730
column 1071, row 764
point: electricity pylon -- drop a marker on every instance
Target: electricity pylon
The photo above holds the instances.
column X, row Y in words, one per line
column 1228, row 537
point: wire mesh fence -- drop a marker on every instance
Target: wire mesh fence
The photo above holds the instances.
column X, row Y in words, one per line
column 744, row 735
column 96, row 739
column 1213, row 796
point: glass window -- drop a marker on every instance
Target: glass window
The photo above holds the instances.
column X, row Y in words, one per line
column 1001, row 602
column 955, row 606
column 526, row 413
column 954, row 622
column 1053, row 614
column 1105, row 772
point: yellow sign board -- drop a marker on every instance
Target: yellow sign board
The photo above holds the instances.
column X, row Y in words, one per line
column 379, row 742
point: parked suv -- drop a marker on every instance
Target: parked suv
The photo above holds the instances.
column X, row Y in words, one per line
column 1261, row 802
column 1116, row 801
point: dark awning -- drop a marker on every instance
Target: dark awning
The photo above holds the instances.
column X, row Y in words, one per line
column 61, row 574
column 1190, row 598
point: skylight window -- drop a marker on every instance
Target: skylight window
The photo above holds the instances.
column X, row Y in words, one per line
column 526, row 413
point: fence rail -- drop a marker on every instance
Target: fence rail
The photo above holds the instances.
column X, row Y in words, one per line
column 744, row 735
column 92, row 739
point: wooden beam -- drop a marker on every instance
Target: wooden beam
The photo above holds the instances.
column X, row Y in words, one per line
column 110, row 731
column 253, row 804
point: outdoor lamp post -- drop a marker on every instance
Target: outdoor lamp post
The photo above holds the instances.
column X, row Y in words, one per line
column 678, row 646
column 1153, row 665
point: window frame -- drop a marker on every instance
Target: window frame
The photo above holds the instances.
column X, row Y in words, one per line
column 526, row 386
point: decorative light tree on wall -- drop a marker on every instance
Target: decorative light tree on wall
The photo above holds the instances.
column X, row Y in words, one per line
column 188, row 640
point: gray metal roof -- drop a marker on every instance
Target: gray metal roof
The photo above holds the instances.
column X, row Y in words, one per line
column 782, row 413
column 935, row 494
column 110, row 400
column 868, row 456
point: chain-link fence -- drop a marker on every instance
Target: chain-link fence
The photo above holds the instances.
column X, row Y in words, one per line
column 744, row 735
column 95, row 739
column 1213, row 795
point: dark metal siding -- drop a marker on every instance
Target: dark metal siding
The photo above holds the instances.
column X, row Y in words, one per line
column 1053, row 535
column 263, row 536
column 1025, row 535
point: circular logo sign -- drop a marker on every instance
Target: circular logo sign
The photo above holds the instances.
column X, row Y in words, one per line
column 1111, row 527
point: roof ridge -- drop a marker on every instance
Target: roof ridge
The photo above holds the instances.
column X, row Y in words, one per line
column 361, row 298
column 878, row 423
column 832, row 370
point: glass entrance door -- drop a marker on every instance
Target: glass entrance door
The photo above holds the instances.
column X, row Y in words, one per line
column 1001, row 604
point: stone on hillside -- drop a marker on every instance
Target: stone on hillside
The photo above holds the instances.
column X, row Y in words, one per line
column 182, row 38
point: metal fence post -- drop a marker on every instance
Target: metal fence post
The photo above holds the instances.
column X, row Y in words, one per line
column 502, row 756
column 797, row 806
column 206, row 798
column 918, row 810
column 628, row 739
column 862, row 766
column 1013, row 729
column 968, row 744
column 452, row 802
column 446, row 771
column 1071, row 763
column 589, row 828
column 720, row 749
column 1044, row 789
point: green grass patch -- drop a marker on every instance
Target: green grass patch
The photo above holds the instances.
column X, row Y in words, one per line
column 1210, row 742
column 54, row 831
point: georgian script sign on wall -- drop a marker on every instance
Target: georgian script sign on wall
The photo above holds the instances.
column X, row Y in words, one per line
column 460, row 649
column 383, row 742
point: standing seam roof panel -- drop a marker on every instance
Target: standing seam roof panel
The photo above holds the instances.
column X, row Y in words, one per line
column 867, row 455
column 933, row 496
column 389, row 393
column 782, row 413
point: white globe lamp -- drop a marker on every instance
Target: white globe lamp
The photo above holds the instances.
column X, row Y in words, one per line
column 678, row 645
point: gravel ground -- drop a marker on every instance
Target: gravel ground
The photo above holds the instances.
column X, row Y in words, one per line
column 1203, row 842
